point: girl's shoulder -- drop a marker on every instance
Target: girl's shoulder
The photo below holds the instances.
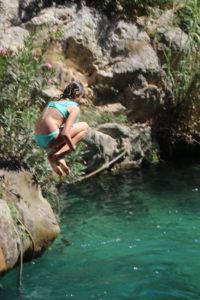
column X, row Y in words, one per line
column 70, row 102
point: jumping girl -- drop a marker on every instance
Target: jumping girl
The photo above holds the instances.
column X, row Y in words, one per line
column 58, row 129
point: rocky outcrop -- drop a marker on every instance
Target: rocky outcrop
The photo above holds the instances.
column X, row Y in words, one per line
column 83, row 44
column 118, row 61
column 109, row 140
column 27, row 223
column 13, row 38
column 167, row 36
column 101, row 52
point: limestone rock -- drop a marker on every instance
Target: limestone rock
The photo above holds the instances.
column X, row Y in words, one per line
column 143, row 103
column 85, row 45
column 110, row 139
column 8, row 14
column 8, row 237
column 13, row 38
column 113, row 108
column 90, row 38
column 164, row 33
column 102, row 148
column 26, row 219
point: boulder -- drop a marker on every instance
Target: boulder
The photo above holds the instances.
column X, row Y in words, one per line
column 28, row 225
column 13, row 13
column 102, row 148
column 13, row 38
column 9, row 14
column 110, row 139
column 143, row 103
column 165, row 34
column 115, row 108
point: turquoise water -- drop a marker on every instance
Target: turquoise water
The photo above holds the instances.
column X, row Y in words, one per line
column 132, row 236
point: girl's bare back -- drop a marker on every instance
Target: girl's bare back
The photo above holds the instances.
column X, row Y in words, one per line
column 49, row 120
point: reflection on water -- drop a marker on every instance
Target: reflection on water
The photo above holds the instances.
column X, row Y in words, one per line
column 132, row 236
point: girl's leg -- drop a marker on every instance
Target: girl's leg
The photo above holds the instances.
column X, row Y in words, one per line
column 78, row 131
column 57, row 143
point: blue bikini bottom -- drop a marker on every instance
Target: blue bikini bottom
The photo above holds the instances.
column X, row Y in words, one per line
column 43, row 140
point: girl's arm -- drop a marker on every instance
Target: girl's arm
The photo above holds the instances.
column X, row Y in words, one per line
column 65, row 134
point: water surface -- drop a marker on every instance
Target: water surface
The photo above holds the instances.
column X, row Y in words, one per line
column 132, row 236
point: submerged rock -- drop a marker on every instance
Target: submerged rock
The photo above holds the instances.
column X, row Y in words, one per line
column 28, row 225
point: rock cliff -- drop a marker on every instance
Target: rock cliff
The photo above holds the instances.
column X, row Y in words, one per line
column 84, row 44
column 27, row 223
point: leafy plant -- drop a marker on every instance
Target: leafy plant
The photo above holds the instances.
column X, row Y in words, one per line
column 56, row 34
column 183, row 73
column 22, row 76
column 152, row 157
column 188, row 16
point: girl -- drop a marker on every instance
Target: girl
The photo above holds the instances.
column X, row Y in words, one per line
column 58, row 129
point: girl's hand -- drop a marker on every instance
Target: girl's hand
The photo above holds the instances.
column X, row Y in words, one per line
column 67, row 139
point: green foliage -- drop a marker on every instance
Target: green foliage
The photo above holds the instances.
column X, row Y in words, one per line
column 13, row 211
column 189, row 16
column 23, row 75
column 57, row 34
column 152, row 157
column 106, row 117
column 95, row 116
column 184, row 69
column 183, row 72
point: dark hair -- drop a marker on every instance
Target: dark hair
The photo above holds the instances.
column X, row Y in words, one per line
column 73, row 90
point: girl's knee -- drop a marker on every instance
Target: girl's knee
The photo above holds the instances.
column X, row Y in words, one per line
column 85, row 126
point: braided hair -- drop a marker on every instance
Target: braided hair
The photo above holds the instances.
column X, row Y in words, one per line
column 73, row 90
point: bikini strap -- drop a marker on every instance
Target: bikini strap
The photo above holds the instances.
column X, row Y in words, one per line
column 57, row 98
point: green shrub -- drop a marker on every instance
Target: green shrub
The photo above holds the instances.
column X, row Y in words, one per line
column 22, row 76
column 183, row 72
column 188, row 16
column 152, row 157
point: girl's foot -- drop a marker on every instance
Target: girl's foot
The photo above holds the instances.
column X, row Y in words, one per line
column 59, row 166
column 56, row 167
column 64, row 166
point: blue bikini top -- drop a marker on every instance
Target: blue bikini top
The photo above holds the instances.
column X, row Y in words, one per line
column 62, row 106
